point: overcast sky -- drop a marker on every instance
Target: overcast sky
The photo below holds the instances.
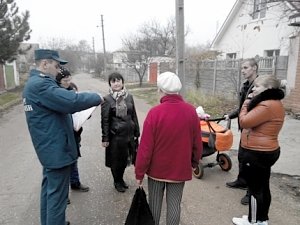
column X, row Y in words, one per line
column 78, row 20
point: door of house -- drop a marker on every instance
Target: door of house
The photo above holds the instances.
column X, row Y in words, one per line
column 153, row 73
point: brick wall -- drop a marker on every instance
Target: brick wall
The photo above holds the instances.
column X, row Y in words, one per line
column 292, row 101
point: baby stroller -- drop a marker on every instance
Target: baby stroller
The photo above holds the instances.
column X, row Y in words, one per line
column 215, row 138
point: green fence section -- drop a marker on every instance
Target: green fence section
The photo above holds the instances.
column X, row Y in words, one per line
column 2, row 83
column 9, row 76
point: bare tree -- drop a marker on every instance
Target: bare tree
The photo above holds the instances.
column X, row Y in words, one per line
column 80, row 56
column 196, row 56
column 159, row 40
column 151, row 39
column 54, row 43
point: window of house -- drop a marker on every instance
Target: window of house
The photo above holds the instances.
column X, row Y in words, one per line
column 271, row 53
column 231, row 56
column 259, row 9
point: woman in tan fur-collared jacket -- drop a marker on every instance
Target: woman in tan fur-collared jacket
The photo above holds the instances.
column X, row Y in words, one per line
column 261, row 119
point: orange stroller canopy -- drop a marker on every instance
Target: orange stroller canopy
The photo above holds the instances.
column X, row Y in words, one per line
column 217, row 136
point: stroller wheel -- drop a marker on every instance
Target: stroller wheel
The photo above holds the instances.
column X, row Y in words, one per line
column 199, row 172
column 224, row 162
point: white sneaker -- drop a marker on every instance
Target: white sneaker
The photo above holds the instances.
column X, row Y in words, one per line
column 244, row 221
column 241, row 221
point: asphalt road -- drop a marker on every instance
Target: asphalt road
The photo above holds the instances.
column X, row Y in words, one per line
column 206, row 201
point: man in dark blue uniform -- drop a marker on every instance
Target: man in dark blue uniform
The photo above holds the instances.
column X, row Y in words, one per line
column 48, row 109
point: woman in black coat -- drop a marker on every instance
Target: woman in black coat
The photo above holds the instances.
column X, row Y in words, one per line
column 120, row 129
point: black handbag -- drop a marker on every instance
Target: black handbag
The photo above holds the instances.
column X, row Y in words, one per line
column 139, row 212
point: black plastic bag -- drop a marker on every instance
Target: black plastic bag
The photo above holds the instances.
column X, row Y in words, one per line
column 139, row 212
column 134, row 144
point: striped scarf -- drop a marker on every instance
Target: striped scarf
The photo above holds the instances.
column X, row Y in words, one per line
column 119, row 96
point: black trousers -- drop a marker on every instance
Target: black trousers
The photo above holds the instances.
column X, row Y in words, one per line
column 116, row 157
column 241, row 175
column 118, row 173
column 257, row 170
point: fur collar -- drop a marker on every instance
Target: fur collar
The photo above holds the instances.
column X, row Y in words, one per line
column 269, row 94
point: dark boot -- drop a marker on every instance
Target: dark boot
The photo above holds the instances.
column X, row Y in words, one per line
column 236, row 184
column 245, row 199
column 119, row 187
column 117, row 175
column 124, row 184
column 80, row 187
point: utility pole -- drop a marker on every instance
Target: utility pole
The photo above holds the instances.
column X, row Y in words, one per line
column 180, row 58
column 93, row 44
column 94, row 54
column 103, row 39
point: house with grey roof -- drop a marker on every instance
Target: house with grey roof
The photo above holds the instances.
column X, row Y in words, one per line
column 264, row 28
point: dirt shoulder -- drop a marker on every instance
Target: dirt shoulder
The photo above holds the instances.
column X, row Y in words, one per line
column 288, row 184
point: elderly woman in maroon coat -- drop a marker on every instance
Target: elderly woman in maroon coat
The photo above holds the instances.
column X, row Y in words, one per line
column 170, row 147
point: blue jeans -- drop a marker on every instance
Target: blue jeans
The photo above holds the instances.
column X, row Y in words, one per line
column 54, row 194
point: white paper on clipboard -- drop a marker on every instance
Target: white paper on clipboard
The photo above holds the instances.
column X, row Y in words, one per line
column 80, row 117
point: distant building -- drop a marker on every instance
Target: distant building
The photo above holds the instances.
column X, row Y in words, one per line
column 261, row 28
column 13, row 74
column 158, row 65
column 25, row 62
column 257, row 28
